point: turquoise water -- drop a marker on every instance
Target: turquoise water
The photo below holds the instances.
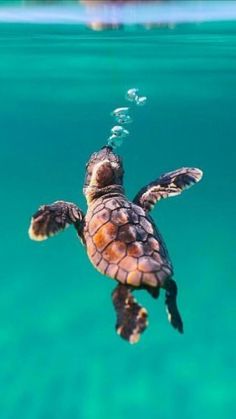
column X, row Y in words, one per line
column 60, row 356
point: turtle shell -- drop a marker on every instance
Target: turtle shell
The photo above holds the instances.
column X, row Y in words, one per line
column 124, row 244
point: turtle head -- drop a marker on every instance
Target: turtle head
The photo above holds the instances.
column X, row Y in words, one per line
column 104, row 173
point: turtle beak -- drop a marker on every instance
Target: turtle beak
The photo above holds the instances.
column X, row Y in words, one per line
column 106, row 150
column 107, row 147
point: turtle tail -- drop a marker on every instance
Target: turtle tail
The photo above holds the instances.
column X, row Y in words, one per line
column 131, row 317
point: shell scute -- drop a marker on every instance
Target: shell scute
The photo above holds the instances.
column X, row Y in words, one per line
column 98, row 208
column 135, row 249
column 127, row 233
column 154, row 243
column 148, row 264
column 141, row 234
column 114, row 252
column 134, row 278
column 157, row 257
column 125, row 245
column 147, row 226
column 138, row 210
column 112, row 270
column 112, row 204
column 96, row 258
column 98, row 220
column 120, row 216
column 150, row 279
column 102, row 266
column 105, row 235
column 122, row 275
column 129, row 263
column 91, row 249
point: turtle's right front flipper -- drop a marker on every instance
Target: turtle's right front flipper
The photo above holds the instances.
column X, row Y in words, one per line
column 167, row 185
column 50, row 219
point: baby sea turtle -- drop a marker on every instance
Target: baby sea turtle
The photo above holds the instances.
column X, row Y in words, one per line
column 120, row 237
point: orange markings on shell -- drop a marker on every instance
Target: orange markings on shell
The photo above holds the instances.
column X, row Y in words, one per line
column 148, row 264
column 115, row 252
column 128, row 263
column 91, row 249
column 98, row 220
column 135, row 249
column 93, row 226
column 134, row 278
column 105, row 235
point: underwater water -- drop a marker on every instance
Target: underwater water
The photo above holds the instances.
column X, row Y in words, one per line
column 59, row 354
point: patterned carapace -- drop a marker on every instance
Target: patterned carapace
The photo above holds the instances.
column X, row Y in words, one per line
column 123, row 243
column 120, row 237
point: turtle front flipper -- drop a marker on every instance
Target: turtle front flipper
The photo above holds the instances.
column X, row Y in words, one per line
column 171, row 304
column 169, row 184
column 50, row 219
column 131, row 317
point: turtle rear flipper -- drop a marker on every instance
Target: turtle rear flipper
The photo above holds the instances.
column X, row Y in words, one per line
column 169, row 184
column 50, row 219
column 131, row 317
column 171, row 304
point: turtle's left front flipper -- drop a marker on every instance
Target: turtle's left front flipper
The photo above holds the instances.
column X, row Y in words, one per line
column 50, row 219
column 169, row 184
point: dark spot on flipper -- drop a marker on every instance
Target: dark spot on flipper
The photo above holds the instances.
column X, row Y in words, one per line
column 131, row 317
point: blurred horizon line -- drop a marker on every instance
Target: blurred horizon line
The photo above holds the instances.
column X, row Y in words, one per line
column 171, row 12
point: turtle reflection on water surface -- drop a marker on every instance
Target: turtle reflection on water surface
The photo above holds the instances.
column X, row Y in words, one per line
column 120, row 237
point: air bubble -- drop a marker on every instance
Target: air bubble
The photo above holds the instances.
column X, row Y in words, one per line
column 124, row 119
column 122, row 115
column 115, row 141
column 141, row 101
column 132, row 95
column 119, row 131
column 120, row 111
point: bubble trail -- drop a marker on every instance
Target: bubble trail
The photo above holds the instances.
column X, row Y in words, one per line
column 122, row 117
